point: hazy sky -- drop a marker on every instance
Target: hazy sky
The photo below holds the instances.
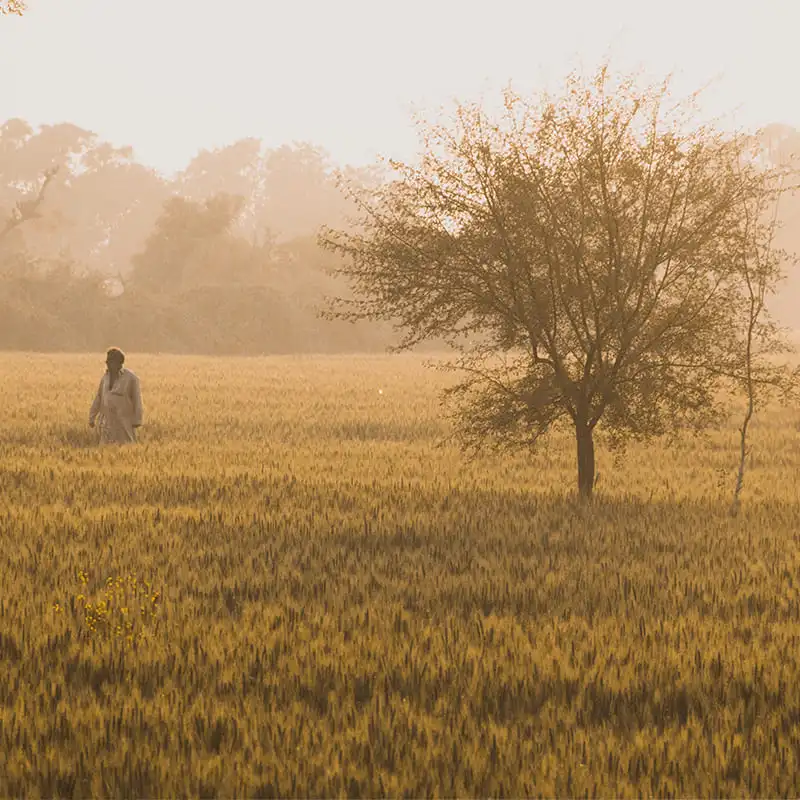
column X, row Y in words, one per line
column 173, row 76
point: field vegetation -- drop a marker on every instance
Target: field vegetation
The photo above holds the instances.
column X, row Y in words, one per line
column 295, row 586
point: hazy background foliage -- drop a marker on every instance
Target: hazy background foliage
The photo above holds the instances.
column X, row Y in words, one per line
column 222, row 258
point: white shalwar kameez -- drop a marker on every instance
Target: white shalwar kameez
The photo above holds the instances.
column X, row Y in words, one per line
column 118, row 410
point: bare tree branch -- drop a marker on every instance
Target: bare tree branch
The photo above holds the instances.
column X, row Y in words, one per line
column 26, row 210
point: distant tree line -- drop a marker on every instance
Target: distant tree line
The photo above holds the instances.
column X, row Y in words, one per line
column 95, row 247
column 221, row 258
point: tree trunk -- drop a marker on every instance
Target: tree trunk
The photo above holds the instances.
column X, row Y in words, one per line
column 585, row 459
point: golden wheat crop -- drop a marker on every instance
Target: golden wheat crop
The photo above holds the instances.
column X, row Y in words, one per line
column 289, row 588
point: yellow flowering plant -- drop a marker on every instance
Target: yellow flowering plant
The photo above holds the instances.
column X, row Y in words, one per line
column 124, row 607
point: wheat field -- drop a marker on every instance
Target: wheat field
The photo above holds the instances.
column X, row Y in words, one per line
column 294, row 586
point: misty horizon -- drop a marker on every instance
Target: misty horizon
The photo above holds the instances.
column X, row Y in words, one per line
column 347, row 79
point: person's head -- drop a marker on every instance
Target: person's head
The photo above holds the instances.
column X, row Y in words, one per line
column 115, row 358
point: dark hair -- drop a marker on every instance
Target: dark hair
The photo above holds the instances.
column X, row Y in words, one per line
column 115, row 352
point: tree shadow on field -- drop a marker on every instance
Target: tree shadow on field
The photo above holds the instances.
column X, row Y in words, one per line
column 529, row 523
column 510, row 552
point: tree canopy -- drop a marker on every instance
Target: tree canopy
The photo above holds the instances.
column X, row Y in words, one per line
column 585, row 257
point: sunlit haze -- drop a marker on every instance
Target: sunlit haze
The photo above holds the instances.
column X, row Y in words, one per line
column 474, row 475
column 170, row 78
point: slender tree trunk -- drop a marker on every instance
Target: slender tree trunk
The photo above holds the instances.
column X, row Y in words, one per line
column 742, row 457
column 585, row 441
column 755, row 311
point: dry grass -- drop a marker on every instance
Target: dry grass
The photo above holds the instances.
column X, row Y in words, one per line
column 309, row 597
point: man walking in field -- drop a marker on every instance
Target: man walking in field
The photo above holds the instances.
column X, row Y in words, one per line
column 118, row 402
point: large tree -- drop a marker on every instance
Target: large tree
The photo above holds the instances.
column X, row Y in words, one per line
column 583, row 255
